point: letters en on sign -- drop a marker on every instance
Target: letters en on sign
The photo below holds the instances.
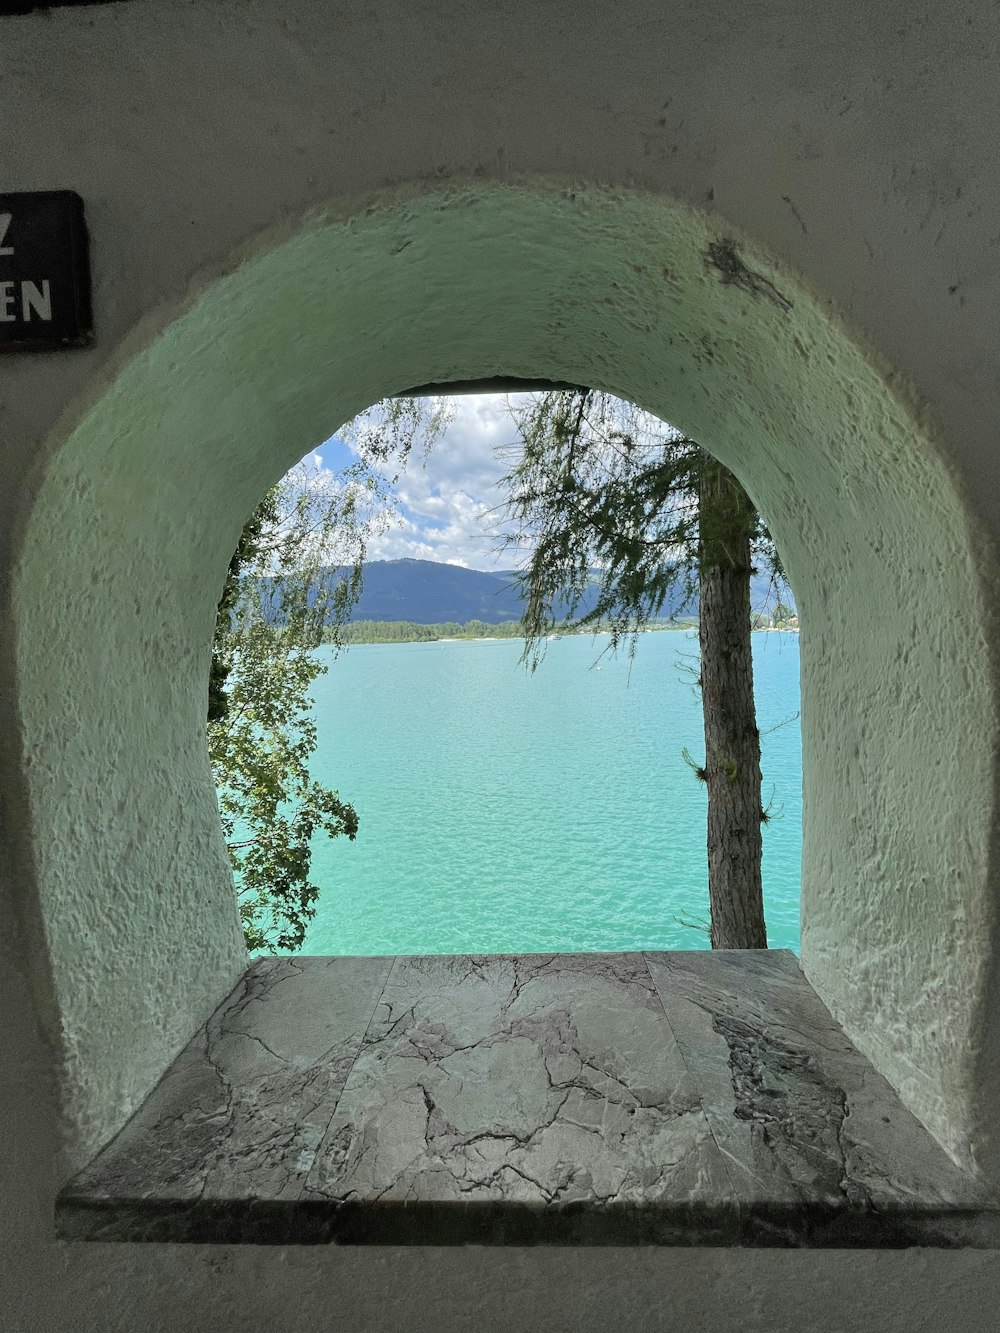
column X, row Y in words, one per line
column 44, row 272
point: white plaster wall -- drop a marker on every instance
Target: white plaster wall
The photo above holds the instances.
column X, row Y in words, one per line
column 858, row 147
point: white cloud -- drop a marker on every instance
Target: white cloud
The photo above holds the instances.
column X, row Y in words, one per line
column 450, row 496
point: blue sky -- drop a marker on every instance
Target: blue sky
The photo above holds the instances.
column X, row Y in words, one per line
column 446, row 498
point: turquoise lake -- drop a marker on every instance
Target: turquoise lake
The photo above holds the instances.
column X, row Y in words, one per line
column 506, row 812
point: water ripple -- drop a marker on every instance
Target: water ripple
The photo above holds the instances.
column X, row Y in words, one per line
column 502, row 812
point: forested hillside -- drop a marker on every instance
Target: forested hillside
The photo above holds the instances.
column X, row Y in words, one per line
column 428, row 593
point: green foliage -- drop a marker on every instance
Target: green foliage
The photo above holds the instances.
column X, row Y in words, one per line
column 269, row 805
column 260, row 733
column 266, row 514
column 409, row 631
column 277, row 606
column 272, row 615
column 597, row 484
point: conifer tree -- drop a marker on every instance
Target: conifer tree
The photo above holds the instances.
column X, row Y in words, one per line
column 602, row 493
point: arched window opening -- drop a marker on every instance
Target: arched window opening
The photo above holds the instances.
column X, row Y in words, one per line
column 637, row 294
column 500, row 812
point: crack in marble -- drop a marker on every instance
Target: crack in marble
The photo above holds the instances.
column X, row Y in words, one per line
column 524, row 1099
column 535, row 1146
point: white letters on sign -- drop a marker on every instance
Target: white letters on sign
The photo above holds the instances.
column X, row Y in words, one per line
column 34, row 298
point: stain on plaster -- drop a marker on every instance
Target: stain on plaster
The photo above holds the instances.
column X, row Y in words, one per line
column 723, row 256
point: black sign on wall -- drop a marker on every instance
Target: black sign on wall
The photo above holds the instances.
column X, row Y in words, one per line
column 44, row 272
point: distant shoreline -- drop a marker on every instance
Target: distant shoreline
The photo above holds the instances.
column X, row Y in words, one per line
column 368, row 633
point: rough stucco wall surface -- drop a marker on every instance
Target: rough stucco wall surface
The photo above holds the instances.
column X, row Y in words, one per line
column 548, row 1291
column 857, row 144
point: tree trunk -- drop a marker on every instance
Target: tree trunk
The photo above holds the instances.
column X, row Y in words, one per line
column 732, row 743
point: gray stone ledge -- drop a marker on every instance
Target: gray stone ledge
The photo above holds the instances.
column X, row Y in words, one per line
column 696, row 1098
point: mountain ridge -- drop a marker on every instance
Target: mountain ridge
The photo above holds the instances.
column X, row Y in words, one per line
column 429, row 592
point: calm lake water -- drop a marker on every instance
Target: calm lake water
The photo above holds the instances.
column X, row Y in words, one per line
column 506, row 812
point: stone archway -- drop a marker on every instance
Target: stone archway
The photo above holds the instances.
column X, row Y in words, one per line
column 627, row 292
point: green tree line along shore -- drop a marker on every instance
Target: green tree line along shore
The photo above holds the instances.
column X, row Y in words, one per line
column 408, row 631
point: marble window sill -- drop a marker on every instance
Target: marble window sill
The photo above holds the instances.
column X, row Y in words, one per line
column 697, row 1098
